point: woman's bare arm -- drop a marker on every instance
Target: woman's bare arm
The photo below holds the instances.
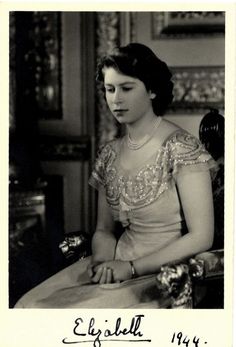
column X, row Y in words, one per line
column 196, row 198
column 103, row 241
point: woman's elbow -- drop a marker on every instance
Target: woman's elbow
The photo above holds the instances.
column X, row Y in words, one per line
column 202, row 241
column 207, row 245
column 207, row 242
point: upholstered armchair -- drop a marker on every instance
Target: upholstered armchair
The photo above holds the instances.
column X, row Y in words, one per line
column 197, row 282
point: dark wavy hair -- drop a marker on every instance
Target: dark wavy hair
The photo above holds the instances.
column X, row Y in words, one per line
column 139, row 61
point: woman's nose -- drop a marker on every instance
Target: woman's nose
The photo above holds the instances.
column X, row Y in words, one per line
column 117, row 97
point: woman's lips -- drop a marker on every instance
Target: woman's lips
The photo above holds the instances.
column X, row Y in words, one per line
column 119, row 111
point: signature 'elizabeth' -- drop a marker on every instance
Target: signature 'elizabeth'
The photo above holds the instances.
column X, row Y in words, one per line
column 108, row 334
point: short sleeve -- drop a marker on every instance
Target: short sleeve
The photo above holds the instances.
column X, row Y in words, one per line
column 105, row 157
column 189, row 155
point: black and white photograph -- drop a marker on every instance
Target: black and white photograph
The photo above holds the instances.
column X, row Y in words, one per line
column 116, row 167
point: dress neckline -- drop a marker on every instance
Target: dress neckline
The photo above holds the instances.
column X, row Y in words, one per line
column 144, row 163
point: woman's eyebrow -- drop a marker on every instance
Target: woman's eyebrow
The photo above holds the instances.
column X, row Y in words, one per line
column 120, row 84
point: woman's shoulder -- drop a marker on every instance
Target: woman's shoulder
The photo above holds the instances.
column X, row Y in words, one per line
column 106, row 155
column 183, row 147
column 174, row 134
column 171, row 133
column 169, row 126
column 185, row 150
column 111, row 145
column 108, row 151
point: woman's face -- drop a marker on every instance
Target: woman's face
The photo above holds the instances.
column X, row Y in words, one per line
column 126, row 96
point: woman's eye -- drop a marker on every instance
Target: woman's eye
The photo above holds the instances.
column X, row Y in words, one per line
column 126, row 89
column 109, row 90
column 112, row 90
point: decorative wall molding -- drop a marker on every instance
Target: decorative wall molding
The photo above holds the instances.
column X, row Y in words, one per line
column 198, row 88
column 107, row 37
column 65, row 148
column 186, row 24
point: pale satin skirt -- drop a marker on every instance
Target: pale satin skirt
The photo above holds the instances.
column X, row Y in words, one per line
column 72, row 288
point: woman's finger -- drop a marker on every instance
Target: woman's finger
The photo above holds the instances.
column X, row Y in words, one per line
column 90, row 270
column 97, row 276
column 103, row 277
column 109, row 275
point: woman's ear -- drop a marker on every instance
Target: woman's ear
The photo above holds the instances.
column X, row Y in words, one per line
column 152, row 95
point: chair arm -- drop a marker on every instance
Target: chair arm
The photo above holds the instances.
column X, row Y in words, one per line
column 75, row 245
column 207, row 265
column 176, row 281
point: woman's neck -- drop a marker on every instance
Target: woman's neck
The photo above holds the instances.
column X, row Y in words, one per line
column 141, row 127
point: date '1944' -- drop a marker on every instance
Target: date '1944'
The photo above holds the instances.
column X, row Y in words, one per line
column 179, row 339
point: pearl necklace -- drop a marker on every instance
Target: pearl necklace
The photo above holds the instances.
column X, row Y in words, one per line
column 135, row 145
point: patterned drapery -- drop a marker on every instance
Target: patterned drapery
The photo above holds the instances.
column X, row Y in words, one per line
column 107, row 37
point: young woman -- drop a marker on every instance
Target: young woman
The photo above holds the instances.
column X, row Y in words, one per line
column 155, row 181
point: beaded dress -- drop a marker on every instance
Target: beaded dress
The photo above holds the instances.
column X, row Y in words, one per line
column 147, row 204
column 146, row 200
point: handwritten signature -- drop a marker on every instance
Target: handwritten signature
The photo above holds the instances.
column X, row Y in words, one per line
column 83, row 330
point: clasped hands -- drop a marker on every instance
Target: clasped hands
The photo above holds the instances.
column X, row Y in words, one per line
column 113, row 271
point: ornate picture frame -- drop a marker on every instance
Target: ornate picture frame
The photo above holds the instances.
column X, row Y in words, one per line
column 198, row 88
column 184, row 24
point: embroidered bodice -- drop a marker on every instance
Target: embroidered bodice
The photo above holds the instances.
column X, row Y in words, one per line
column 150, row 181
column 145, row 200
